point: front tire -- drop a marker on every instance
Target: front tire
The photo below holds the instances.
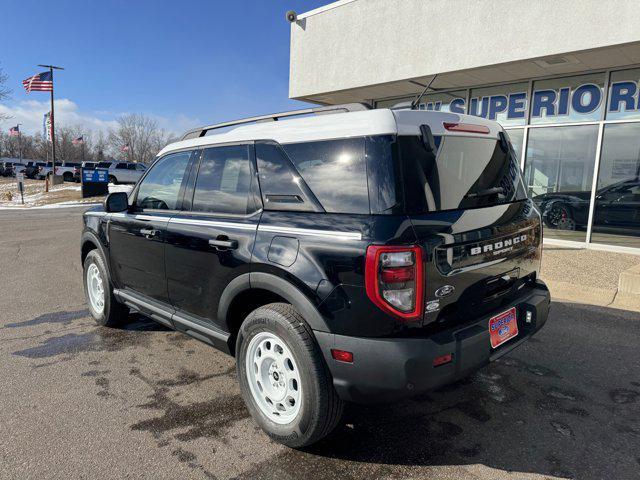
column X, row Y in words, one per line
column 103, row 306
column 283, row 377
column 559, row 217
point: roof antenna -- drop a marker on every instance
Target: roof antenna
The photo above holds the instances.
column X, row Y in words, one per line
column 414, row 104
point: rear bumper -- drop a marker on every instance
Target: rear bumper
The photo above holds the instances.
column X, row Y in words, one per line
column 387, row 369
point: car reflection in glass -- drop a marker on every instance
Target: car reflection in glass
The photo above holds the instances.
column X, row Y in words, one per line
column 617, row 205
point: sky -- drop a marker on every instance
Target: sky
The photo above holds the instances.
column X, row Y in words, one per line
column 184, row 63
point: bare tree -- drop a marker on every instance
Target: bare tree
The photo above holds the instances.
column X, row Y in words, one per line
column 100, row 147
column 4, row 92
column 137, row 138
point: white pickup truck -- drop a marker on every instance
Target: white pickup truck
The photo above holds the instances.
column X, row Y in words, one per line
column 66, row 169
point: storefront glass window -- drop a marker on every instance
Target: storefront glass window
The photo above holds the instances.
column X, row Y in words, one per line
column 624, row 98
column 516, row 135
column 559, row 174
column 568, row 99
column 442, row 101
column 507, row 104
column 616, row 218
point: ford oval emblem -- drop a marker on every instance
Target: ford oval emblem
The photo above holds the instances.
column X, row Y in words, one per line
column 445, row 291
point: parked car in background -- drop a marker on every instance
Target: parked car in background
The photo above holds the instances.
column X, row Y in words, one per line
column 32, row 169
column 126, row 172
column 18, row 168
column 616, row 205
column 7, row 169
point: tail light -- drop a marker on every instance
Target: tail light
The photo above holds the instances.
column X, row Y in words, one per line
column 394, row 280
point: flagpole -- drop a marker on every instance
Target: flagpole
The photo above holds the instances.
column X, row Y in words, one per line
column 19, row 142
column 53, row 125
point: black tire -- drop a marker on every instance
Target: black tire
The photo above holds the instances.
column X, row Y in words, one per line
column 560, row 217
column 114, row 313
column 67, row 177
column 112, row 179
column 321, row 408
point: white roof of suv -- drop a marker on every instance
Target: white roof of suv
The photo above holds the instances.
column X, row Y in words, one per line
column 341, row 125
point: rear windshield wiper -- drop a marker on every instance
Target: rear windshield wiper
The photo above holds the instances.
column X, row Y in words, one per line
column 487, row 192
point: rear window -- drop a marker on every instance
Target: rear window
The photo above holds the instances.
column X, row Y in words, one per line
column 335, row 171
column 462, row 172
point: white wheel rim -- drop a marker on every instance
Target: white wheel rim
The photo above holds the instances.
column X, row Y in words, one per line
column 95, row 288
column 274, row 378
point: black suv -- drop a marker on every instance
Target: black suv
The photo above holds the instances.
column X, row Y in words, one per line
column 362, row 255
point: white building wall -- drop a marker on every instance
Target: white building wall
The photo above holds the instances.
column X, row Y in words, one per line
column 356, row 43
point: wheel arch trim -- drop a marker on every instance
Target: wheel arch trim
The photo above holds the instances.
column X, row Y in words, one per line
column 276, row 285
column 90, row 237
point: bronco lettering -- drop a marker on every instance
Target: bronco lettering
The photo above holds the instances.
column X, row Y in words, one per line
column 498, row 247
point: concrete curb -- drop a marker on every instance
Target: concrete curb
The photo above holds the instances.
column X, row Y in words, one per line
column 612, row 298
column 629, row 281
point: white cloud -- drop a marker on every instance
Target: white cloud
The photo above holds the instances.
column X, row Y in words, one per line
column 30, row 114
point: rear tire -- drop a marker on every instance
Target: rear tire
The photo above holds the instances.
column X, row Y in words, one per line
column 103, row 306
column 275, row 345
column 113, row 179
column 67, row 177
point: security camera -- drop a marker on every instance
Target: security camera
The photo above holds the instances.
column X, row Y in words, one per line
column 291, row 16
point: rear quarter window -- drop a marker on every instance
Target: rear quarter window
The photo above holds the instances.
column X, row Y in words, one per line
column 280, row 184
column 335, row 171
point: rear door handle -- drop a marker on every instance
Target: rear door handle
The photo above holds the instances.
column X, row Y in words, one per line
column 148, row 232
column 223, row 244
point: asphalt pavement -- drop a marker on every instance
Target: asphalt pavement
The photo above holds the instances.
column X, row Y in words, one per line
column 81, row 401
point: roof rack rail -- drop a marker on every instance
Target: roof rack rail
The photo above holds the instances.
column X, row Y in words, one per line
column 347, row 107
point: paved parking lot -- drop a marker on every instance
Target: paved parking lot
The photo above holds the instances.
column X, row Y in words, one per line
column 78, row 401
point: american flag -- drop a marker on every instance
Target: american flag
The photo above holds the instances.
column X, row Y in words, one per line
column 125, row 148
column 14, row 131
column 78, row 141
column 40, row 82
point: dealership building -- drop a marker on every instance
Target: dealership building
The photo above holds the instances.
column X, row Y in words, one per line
column 563, row 77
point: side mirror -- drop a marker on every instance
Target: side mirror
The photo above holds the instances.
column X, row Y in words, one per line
column 116, row 202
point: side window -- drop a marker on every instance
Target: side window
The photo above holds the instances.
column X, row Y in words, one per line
column 160, row 189
column 279, row 182
column 121, row 166
column 336, row 172
column 140, row 167
column 224, row 181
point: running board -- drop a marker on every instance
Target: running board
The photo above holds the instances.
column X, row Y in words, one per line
column 166, row 316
